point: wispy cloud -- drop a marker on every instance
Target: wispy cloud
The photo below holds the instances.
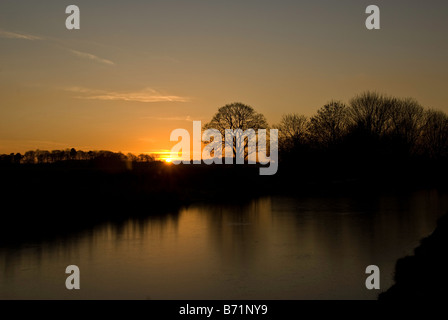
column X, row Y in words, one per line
column 16, row 35
column 25, row 36
column 146, row 95
column 91, row 57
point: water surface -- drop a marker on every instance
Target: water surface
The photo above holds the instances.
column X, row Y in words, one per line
column 269, row 248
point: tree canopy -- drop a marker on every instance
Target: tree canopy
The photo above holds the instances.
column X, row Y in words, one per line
column 242, row 119
column 237, row 116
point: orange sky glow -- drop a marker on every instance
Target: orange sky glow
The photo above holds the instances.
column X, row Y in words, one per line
column 133, row 73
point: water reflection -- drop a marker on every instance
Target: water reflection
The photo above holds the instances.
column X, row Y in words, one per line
column 269, row 248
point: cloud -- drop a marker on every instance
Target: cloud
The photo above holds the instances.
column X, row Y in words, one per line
column 24, row 36
column 15, row 35
column 91, row 57
column 146, row 95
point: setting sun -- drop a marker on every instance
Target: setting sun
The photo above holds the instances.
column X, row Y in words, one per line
column 168, row 160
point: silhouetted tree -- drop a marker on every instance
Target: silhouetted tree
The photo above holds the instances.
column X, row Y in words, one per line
column 131, row 157
column 30, row 157
column 434, row 137
column 56, row 155
column 43, row 156
column 330, row 124
column 370, row 113
column 237, row 116
column 17, row 158
column 145, row 158
column 73, row 153
column 293, row 131
column 407, row 119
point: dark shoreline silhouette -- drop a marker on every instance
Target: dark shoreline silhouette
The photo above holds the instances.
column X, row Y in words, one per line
column 423, row 277
column 51, row 198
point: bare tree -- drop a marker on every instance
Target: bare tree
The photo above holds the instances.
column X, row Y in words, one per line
column 236, row 116
column 293, row 130
column 407, row 120
column 434, row 138
column 370, row 112
column 330, row 124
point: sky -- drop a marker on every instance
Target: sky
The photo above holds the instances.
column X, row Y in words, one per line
column 137, row 70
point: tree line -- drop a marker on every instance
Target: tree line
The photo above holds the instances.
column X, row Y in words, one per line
column 44, row 156
column 370, row 128
column 371, row 124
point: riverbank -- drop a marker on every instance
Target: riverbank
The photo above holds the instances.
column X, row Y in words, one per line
column 44, row 199
column 423, row 276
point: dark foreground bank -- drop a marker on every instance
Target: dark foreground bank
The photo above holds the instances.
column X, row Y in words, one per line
column 423, row 276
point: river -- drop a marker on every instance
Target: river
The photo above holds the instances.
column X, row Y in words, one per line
column 268, row 248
